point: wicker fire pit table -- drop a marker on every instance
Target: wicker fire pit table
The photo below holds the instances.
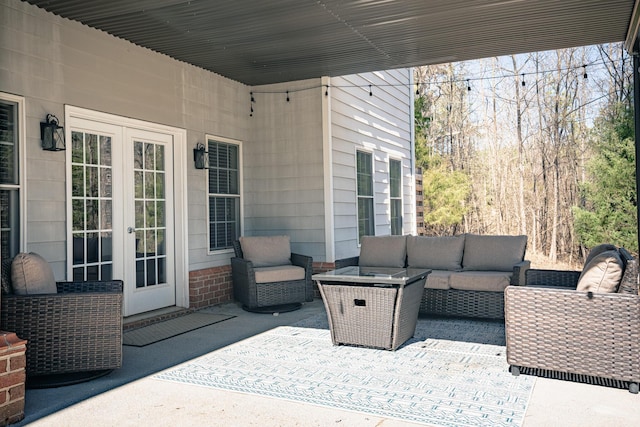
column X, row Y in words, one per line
column 372, row 306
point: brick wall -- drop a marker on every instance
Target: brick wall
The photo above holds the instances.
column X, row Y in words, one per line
column 213, row 286
column 12, row 377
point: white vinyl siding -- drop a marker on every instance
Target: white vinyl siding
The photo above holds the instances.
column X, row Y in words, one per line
column 380, row 123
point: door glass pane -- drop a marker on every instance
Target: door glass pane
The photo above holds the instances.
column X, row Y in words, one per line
column 150, row 202
column 92, row 205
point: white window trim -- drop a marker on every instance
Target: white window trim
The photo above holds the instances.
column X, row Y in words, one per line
column 401, row 196
column 240, row 188
column 373, row 188
column 22, row 165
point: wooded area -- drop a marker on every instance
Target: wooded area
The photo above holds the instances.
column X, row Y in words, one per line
column 540, row 144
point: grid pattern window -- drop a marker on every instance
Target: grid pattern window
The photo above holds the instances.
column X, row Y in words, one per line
column 9, row 180
column 224, row 194
column 395, row 192
column 92, row 205
column 364, row 169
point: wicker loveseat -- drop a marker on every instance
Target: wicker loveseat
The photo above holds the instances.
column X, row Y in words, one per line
column 268, row 277
column 469, row 271
column 73, row 328
column 554, row 329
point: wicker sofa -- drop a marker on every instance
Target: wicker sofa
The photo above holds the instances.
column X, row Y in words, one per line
column 71, row 327
column 268, row 277
column 469, row 272
column 556, row 326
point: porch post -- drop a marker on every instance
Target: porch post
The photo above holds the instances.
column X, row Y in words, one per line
column 636, row 117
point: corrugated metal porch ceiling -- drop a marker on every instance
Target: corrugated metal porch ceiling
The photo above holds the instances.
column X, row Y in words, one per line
column 267, row 41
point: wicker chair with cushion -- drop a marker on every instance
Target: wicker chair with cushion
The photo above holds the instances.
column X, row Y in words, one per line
column 268, row 277
column 582, row 326
column 73, row 329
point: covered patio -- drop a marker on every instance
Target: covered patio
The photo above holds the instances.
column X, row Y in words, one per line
column 283, row 43
column 131, row 396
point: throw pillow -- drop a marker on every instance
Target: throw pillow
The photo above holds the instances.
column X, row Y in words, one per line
column 266, row 251
column 436, row 253
column 493, row 253
column 383, row 251
column 602, row 274
column 31, row 274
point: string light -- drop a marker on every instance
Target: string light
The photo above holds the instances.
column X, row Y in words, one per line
column 451, row 81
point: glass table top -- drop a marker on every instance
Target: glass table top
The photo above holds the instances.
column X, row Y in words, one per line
column 372, row 275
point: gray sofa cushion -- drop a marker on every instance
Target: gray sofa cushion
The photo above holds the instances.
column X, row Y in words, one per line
column 437, row 253
column 31, row 274
column 493, row 253
column 266, row 251
column 283, row 273
column 602, row 274
column 491, row 281
column 383, row 251
column 438, row 279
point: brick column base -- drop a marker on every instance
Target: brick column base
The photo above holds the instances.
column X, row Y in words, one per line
column 12, row 377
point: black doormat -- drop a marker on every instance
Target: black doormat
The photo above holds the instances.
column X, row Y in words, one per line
column 170, row 328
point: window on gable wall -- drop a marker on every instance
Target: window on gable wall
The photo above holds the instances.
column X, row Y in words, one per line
column 10, row 215
column 365, row 194
column 395, row 193
column 224, row 194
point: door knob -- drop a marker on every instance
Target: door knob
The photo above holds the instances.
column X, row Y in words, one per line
column 130, row 230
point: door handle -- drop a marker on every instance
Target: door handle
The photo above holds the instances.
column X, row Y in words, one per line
column 130, row 230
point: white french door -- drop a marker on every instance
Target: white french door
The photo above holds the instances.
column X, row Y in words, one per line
column 148, row 220
column 122, row 210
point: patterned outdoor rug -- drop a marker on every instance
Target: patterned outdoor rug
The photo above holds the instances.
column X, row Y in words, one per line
column 452, row 373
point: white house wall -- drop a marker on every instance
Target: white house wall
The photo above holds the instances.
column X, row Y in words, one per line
column 380, row 123
column 52, row 61
column 283, row 166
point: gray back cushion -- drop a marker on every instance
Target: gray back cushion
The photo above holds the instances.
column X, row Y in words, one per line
column 436, row 253
column 383, row 251
column 493, row 253
column 266, row 251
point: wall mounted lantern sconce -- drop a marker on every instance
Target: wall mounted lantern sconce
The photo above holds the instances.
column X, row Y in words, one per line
column 200, row 156
column 52, row 134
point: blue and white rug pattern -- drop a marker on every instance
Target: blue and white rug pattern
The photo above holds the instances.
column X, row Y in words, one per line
column 452, row 373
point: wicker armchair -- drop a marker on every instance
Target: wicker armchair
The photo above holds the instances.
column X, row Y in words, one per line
column 77, row 330
column 554, row 330
column 273, row 296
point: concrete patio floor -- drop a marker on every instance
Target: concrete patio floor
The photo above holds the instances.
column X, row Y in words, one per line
column 127, row 397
